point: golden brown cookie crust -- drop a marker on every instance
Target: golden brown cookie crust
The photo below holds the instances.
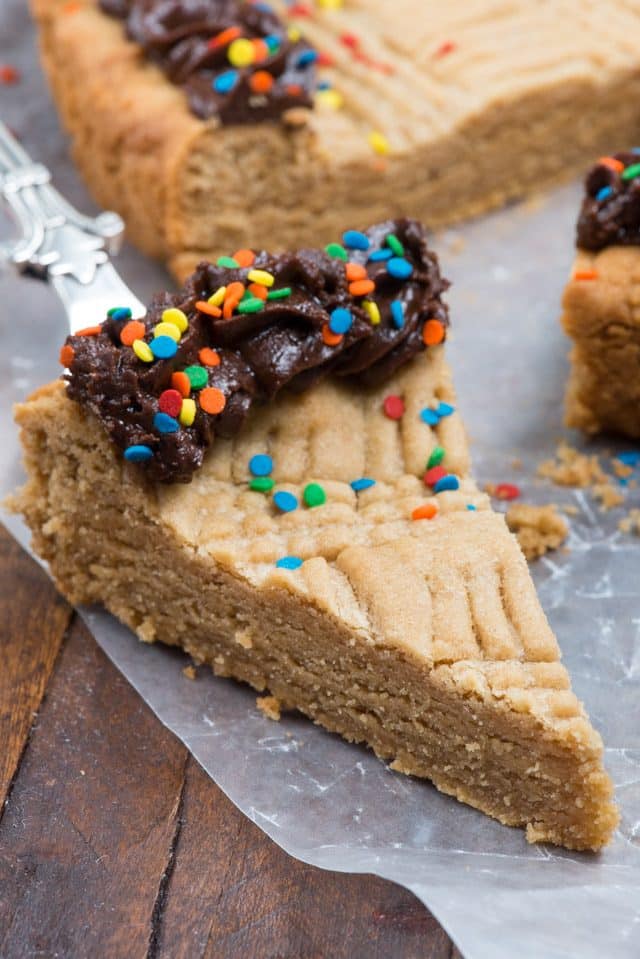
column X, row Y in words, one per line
column 601, row 314
column 469, row 136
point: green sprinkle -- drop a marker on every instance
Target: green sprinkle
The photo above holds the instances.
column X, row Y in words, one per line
column 227, row 261
column 437, row 456
column 631, row 172
column 279, row 294
column 261, row 484
column 253, row 305
column 314, row 495
column 394, row 244
column 337, row 250
column 198, row 376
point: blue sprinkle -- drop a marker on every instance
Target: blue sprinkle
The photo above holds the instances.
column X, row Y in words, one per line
column 361, row 484
column 272, row 40
column 138, row 454
column 323, row 85
column 285, row 502
column 471, row 507
column 355, row 240
column 397, row 314
column 604, row 193
column 306, row 58
column 265, row 7
column 400, row 268
column 260, row 465
column 163, row 347
column 341, row 320
column 630, row 458
column 447, row 482
column 165, row 423
column 635, row 149
column 445, row 409
column 225, row 82
column 120, row 314
column 289, row 562
column 430, row 417
column 379, row 255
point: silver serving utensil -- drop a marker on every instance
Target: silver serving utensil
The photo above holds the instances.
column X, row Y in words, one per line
column 57, row 243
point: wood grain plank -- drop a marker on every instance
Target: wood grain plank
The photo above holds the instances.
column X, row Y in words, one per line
column 34, row 619
column 257, row 901
column 91, row 821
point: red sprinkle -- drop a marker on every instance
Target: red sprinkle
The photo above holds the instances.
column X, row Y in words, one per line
column 445, row 48
column 8, row 74
column 506, row 491
column 434, row 474
column 325, row 60
column 170, row 401
column 349, row 40
column 299, row 10
column 393, row 407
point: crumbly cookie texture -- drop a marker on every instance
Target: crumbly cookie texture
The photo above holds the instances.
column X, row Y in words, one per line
column 601, row 314
column 422, row 638
column 538, row 529
column 441, row 118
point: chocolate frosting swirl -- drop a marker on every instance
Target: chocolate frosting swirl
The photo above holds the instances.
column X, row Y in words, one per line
column 610, row 212
column 289, row 342
column 190, row 41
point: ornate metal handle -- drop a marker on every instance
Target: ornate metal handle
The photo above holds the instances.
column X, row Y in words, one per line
column 57, row 242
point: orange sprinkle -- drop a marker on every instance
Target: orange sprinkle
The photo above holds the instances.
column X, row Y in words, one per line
column 260, row 50
column 329, row 337
column 225, row 37
column 261, row 82
column 426, row 511
column 133, row 330
column 67, row 353
column 72, row 7
column 244, row 257
column 208, row 308
column 258, row 290
column 432, row 333
column 293, row 89
column 208, row 357
column 229, row 307
column 355, row 271
column 585, row 275
column 612, row 163
column 90, row 331
column 212, row 400
column 234, row 291
column 362, row 287
column 180, row 382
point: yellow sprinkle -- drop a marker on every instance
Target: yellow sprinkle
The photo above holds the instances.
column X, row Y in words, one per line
column 177, row 317
column 330, row 98
column 294, row 34
column 372, row 311
column 216, row 298
column 330, row 4
column 260, row 276
column 167, row 329
column 241, row 53
column 142, row 351
column 187, row 412
column 378, row 142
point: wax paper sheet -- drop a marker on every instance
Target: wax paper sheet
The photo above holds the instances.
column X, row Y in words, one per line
column 333, row 804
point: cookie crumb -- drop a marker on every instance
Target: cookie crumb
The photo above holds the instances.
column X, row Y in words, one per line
column 270, row 706
column 538, row 529
column 631, row 522
column 572, row 468
column 189, row 671
column 608, row 496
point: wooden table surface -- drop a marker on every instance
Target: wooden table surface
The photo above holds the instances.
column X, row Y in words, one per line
column 115, row 843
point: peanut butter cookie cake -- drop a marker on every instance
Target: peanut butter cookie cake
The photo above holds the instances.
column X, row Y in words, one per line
column 601, row 303
column 214, row 124
column 269, row 471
